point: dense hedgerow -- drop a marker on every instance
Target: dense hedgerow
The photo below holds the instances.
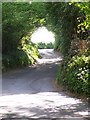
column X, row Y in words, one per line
column 26, row 54
column 20, row 58
column 18, row 20
column 74, row 73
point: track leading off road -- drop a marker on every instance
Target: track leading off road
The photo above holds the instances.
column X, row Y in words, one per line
column 31, row 93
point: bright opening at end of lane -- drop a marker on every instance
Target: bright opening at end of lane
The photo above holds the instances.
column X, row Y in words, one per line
column 43, row 35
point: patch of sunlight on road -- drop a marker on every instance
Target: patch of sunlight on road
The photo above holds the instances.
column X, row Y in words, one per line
column 54, row 60
column 42, row 35
column 51, row 104
column 49, row 56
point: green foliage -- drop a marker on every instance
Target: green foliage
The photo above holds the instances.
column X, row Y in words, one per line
column 69, row 20
column 19, row 19
column 15, row 59
column 64, row 19
column 71, row 24
column 85, row 7
column 29, row 48
column 74, row 73
column 26, row 54
column 45, row 45
column 83, row 27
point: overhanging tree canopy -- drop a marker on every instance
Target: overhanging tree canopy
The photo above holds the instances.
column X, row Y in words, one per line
column 20, row 19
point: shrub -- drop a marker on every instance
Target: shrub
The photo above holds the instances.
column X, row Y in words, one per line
column 15, row 59
column 25, row 54
column 74, row 73
column 45, row 45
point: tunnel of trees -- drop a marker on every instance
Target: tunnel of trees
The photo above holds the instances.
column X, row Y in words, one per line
column 70, row 21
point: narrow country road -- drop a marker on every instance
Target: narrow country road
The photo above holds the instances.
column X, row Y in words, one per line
column 31, row 93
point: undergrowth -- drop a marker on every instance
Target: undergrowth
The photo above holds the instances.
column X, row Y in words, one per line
column 74, row 73
column 24, row 55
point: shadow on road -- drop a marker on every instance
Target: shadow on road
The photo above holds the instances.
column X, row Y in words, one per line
column 42, row 105
column 38, row 78
column 31, row 93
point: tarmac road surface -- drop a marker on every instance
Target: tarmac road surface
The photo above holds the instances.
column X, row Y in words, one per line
column 31, row 93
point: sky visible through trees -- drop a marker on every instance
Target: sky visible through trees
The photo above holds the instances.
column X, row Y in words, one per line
column 70, row 23
column 42, row 35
